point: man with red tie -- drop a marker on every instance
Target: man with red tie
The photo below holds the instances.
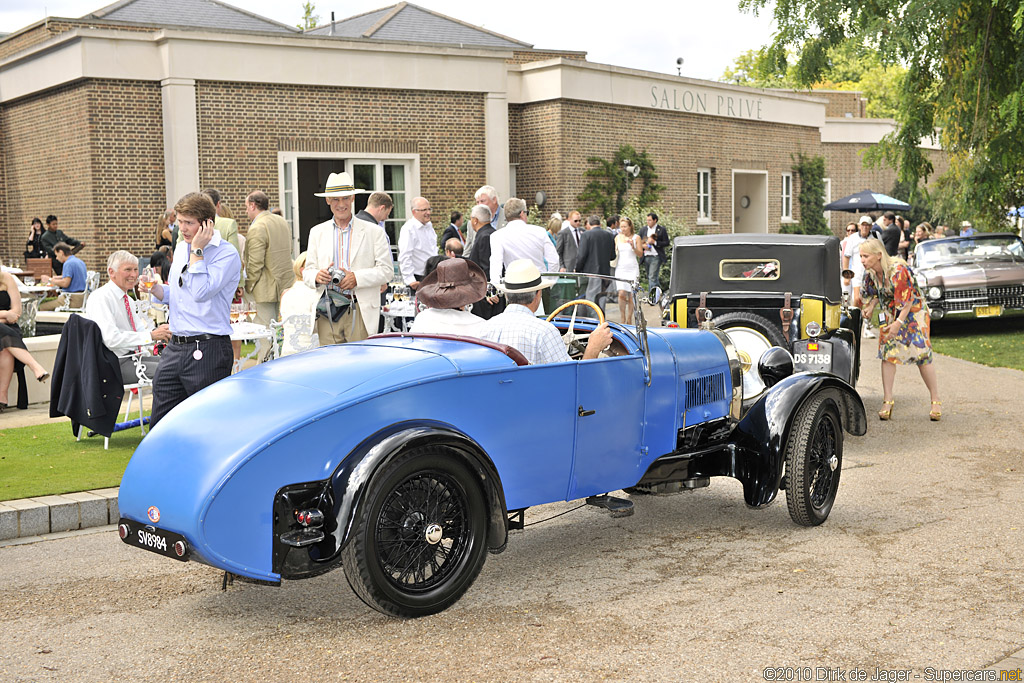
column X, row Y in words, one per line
column 126, row 330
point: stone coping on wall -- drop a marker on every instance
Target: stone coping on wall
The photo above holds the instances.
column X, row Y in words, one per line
column 31, row 517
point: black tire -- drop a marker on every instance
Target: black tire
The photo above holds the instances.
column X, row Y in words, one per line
column 753, row 321
column 816, row 438
column 390, row 562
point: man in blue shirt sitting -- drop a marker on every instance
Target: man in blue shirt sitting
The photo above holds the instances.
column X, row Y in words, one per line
column 198, row 293
column 71, row 281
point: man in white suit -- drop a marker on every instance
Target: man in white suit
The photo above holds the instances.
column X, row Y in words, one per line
column 360, row 251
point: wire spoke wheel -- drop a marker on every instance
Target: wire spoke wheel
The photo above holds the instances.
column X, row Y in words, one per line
column 814, row 458
column 823, row 449
column 421, row 530
column 418, row 541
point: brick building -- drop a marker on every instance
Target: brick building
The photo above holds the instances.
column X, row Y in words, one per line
column 107, row 119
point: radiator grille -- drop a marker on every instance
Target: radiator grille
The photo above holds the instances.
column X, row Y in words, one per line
column 703, row 390
column 1010, row 296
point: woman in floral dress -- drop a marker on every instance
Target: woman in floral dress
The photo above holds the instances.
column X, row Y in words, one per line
column 904, row 336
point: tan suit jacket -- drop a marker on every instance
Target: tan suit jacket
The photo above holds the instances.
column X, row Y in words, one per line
column 268, row 258
column 370, row 260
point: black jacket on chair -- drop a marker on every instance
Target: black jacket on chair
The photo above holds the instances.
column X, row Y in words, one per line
column 86, row 384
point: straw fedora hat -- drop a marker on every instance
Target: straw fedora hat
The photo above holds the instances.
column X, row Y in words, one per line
column 455, row 283
column 522, row 275
column 339, row 185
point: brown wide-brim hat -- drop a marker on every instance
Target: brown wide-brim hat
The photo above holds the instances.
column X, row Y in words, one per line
column 455, row 283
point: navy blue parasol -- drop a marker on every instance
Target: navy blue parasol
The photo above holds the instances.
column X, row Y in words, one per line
column 866, row 200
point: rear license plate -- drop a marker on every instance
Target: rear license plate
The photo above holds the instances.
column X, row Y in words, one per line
column 155, row 540
column 811, row 360
column 987, row 311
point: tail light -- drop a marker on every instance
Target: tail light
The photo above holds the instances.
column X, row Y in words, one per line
column 309, row 518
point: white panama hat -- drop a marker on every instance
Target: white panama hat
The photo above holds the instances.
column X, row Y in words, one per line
column 522, row 275
column 339, row 185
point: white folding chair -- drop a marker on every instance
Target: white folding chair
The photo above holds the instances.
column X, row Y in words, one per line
column 294, row 334
column 92, row 283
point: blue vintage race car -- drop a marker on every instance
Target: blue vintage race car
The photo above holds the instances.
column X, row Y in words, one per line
column 406, row 458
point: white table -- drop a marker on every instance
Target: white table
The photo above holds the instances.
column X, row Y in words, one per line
column 246, row 331
column 398, row 315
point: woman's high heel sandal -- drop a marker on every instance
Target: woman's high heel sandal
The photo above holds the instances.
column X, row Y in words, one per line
column 936, row 413
column 886, row 412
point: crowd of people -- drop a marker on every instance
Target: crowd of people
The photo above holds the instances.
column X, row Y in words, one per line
column 481, row 277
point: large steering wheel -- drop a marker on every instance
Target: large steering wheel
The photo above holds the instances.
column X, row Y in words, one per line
column 575, row 344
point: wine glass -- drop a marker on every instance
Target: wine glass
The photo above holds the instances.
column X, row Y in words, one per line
column 250, row 310
column 147, row 279
column 236, row 311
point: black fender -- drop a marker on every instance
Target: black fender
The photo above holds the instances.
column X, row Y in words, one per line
column 851, row 319
column 760, row 437
column 352, row 478
column 845, row 355
column 340, row 496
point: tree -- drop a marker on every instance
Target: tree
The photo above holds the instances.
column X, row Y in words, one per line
column 850, row 67
column 610, row 183
column 964, row 61
column 309, row 20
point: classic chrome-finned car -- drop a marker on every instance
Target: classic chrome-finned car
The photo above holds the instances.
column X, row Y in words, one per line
column 405, row 458
column 980, row 276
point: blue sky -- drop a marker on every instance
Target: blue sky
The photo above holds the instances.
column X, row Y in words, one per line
column 643, row 34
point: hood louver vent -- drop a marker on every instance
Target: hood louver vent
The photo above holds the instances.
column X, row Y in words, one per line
column 703, row 390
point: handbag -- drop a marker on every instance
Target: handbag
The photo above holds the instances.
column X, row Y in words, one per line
column 333, row 305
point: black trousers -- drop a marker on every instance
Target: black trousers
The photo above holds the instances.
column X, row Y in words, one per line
column 180, row 375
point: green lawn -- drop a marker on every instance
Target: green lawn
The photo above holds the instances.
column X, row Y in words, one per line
column 46, row 459
column 997, row 342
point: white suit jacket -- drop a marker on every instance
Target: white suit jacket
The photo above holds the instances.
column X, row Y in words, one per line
column 370, row 260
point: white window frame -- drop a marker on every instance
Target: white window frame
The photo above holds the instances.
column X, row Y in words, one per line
column 787, row 197
column 704, row 195
column 412, row 183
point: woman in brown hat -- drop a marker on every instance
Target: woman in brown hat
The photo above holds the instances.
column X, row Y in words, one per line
column 455, row 283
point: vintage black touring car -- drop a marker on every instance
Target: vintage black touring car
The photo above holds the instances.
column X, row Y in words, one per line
column 764, row 291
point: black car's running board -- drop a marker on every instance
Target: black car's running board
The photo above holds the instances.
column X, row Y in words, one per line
column 619, row 507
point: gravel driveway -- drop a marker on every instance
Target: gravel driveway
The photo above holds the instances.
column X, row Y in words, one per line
column 918, row 566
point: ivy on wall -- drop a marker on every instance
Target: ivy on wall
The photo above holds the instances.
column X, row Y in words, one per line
column 811, row 172
column 609, row 184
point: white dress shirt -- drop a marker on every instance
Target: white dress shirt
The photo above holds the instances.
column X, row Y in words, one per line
column 416, row 243
column 520, row 239
column 448, row 321
column 106, row 308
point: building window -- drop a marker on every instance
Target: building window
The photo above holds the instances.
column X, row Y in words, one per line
column 787, row 196
column 703, row 194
